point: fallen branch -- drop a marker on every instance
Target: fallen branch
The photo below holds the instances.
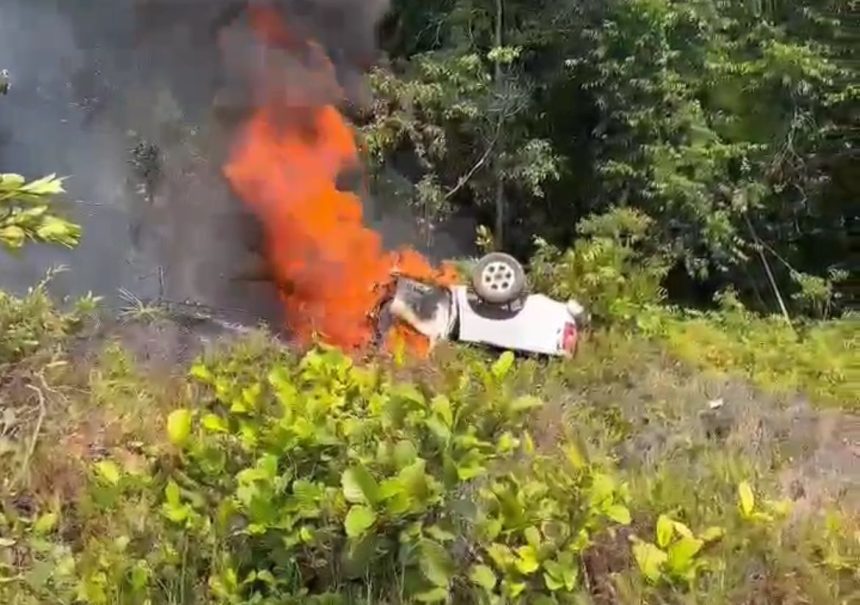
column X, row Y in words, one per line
column 35, row 438
column 760, row 249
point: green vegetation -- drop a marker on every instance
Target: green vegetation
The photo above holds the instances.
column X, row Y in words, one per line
column 264, row 476
column 26, row 214
column 819, row 359
column 727, row 123
column 611, row 267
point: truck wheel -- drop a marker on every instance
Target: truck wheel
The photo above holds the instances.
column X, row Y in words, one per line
column 499, row 278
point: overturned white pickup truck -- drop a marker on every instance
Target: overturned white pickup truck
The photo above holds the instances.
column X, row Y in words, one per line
column 495, row 311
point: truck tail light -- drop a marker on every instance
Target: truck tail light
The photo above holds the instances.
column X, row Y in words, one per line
column 568, row 339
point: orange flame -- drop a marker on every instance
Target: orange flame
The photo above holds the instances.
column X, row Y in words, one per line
column 331, row 269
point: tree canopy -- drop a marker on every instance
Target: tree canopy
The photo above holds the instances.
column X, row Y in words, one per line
column 728, row 124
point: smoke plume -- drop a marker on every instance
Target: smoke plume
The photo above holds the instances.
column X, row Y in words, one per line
column 138, row 102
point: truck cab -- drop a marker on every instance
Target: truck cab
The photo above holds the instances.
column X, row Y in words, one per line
column 513, row 319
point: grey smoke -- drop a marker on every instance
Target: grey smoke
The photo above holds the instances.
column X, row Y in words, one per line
column 88, row 89
column 98, row 85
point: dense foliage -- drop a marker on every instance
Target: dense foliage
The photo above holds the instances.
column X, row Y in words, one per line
column 726, row 122
column 267, row 477
column 26, row 213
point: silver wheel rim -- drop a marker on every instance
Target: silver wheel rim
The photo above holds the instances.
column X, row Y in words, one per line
column 498, row 277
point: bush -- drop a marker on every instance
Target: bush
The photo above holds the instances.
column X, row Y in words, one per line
column 328, row 480
column 605, row 269
column 268, row 478
column 32, row 322
column 816, row 358
column 27, row 215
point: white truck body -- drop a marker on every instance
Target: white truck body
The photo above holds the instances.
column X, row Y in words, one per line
column 533, row 324
column 537, row 326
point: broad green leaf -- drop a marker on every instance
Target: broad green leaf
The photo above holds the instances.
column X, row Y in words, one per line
column 527, row 561
column 179, row 426
column 506, row 443
column 681, row 553
column 435, row 563
column 56, row 230
column 434, row 595
column 201, row 372
column 45, row 186
column 513, row 589
column 108, row 471
column 746, row 499
column 602, row 487
column 552, row 582
column 306, row 534
column 11, row 181
column 532, row 535
column 214, row 423
column 172, row 493
column 682, row 530
column 441, row 406
column 415, row 480
column 665, row 531
column 501, row 555
column 439, row 429
column 483, row 576
column 650, row 560
column 574, row 456
column 490, row 528
column 618, row 513
column 469, row 470
column 358, row 520
column 268, row 465
column 251, row 395
column 405, row 453
column 391, row 488
column 13, row 236
column 408, row 392
column 503, row 365
column 437, row 533
column 45, row 523
column 358, row 556
column 359, row 486
column 562, row 573
column 712, row 534
column 139, row 576
column 264, row 575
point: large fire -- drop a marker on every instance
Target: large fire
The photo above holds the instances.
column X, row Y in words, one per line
column 331, row 269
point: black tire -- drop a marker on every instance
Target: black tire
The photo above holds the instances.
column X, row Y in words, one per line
column 498, row 278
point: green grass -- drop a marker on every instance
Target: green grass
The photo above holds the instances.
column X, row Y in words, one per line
column 819, row 359
column 92, row 441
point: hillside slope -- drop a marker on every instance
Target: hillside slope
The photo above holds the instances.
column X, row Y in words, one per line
column 133, row 474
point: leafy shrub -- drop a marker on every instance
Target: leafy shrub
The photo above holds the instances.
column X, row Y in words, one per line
column 817, row 296
column 325, row 479
column 27, row 215
column 817, row 359
column 605, row 268
column 32, row 322
column 269, row 478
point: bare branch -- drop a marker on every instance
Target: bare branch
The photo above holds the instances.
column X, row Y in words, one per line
column 43, row 410
column 483, row 160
